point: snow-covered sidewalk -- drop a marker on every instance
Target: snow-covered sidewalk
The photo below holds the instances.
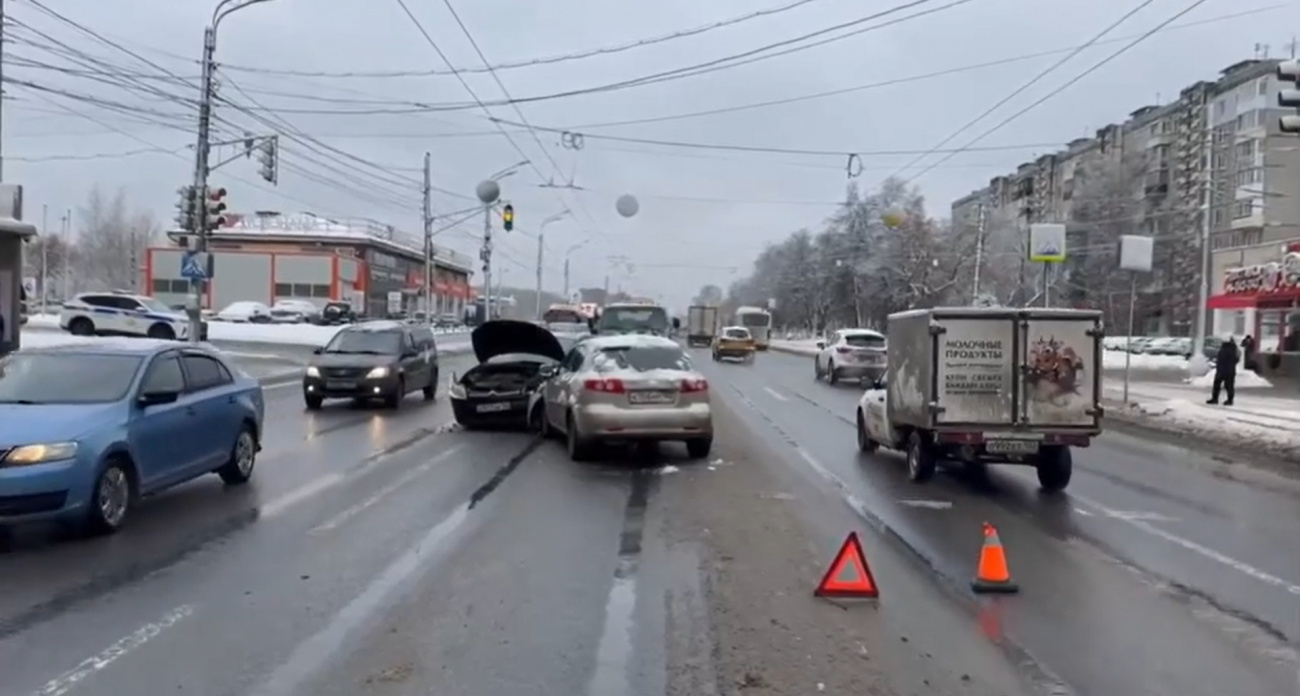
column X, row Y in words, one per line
column 1257, row 423
column 43, row 329
column 1111, row 360
column 1270, row 424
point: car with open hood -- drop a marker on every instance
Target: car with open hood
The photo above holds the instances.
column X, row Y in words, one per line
column 514, row 358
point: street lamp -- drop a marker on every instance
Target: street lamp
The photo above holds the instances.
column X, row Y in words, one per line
column 509, row 171
column 203, row 149
column 567, row 253
column 541, row 245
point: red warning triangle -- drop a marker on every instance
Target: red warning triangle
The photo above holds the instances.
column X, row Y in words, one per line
column 848, row 575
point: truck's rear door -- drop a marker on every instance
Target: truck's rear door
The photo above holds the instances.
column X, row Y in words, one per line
column 1061, row 370
column 975, row 368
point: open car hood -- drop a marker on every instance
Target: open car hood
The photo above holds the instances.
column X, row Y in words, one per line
column 503, row 336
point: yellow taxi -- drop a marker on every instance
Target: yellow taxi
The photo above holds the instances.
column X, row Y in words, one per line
column 733, row 342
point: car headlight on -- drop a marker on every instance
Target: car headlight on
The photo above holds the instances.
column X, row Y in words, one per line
column 312, row 371
column 40, row 453
column 377, row 373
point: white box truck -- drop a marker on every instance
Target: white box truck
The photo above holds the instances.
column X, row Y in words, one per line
column 988, row 385
column 701, row 325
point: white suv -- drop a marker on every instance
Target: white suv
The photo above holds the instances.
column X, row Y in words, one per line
column 119, row 314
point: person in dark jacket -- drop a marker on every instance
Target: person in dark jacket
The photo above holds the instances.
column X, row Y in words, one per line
column 1248, row 352
column 1225, row 372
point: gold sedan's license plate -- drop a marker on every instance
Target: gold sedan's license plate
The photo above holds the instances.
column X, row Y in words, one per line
column 1011, row 446
column 650, row 397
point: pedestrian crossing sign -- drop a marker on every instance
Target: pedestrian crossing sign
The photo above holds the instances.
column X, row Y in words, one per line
column 1047, row 243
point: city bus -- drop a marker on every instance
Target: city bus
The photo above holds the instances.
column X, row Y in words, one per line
column 759, row 323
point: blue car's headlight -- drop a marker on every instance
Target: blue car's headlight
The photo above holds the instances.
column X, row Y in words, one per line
column 26, row 455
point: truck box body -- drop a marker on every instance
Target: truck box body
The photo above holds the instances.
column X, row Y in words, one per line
column 971, row 370
column 701, row 324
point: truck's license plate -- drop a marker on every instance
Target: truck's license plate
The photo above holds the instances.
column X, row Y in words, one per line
column 1011, row 446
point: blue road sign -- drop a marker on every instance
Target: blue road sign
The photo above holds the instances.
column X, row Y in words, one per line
column 194, row 265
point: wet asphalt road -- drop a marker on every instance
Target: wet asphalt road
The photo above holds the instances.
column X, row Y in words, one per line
column 1160, row 570
column 382, row 552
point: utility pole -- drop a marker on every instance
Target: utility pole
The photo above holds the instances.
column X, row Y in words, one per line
column 980, row 227
column 67, row 253
column 201, row 171
column 487, row 191
column 566, row 279
column 45, row 249
column 428, row 244
column 3, row 38
column 540, row 247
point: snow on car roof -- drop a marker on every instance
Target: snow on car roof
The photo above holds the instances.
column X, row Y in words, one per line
column 631, row 341
column 861, row 332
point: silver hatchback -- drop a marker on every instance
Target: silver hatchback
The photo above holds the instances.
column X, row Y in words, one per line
column 626, row 388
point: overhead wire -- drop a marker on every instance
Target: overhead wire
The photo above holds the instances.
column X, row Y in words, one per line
column 541, row 60
column 1061, row 88
column 776, row 150
column 965, row 68
column 1042, row 75
column 555, row 166
column 724, row 63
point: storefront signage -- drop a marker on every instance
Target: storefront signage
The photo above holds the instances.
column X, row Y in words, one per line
column 1278, row 276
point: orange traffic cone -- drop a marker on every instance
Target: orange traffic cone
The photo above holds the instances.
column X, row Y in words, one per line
column 992, row 575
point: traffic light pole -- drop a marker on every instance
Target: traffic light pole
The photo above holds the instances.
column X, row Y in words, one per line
column 201, row 152
column 487, row 262
column 428, row 245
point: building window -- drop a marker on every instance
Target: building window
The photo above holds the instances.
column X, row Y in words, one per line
column 1246, row 177
column 322, row 291
column 1217, row 218
column 1261, row 86
column 1239, row 323
column 1246, row 149
column 283, row 290
column 1243, row 208
column 1220, row 107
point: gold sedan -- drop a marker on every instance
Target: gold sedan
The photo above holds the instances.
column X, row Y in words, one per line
column 734, row 342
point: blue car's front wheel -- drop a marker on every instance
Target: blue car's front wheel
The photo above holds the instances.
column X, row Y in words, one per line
column 111, row 499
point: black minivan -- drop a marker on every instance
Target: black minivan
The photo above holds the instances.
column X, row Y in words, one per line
column 373, row 360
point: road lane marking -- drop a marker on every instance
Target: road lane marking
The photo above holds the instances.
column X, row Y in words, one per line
column 928, row 504
column 65, row 682
column 315, row 653
column 287, row 501
column 775, row 394
column 384, row 492
column 1199, row 549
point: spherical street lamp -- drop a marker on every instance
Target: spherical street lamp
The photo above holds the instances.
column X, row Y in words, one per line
column 488, row 191
column 627, row 205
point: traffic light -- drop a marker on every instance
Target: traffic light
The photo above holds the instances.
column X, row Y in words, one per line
column 1289, row 71
column 269, row 155
column 186, row 213
column 508, row 217
column 216, row 208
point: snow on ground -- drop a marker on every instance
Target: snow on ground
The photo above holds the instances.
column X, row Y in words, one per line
column 807, row 346
column 283, row 334
column 1268, row 423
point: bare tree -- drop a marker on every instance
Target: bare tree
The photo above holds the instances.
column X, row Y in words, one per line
column 111, row 243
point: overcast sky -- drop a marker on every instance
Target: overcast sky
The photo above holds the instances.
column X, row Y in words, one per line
column 703, row 212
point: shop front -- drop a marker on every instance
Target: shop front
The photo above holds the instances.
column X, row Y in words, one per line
column 1263, row 301
column 450, row 292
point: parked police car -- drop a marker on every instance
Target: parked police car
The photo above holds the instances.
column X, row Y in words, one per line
column 122, row 314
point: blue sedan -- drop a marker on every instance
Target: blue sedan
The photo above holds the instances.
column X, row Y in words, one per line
column 87, row 429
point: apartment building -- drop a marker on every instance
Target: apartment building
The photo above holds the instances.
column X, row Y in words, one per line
column 1214, row 151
